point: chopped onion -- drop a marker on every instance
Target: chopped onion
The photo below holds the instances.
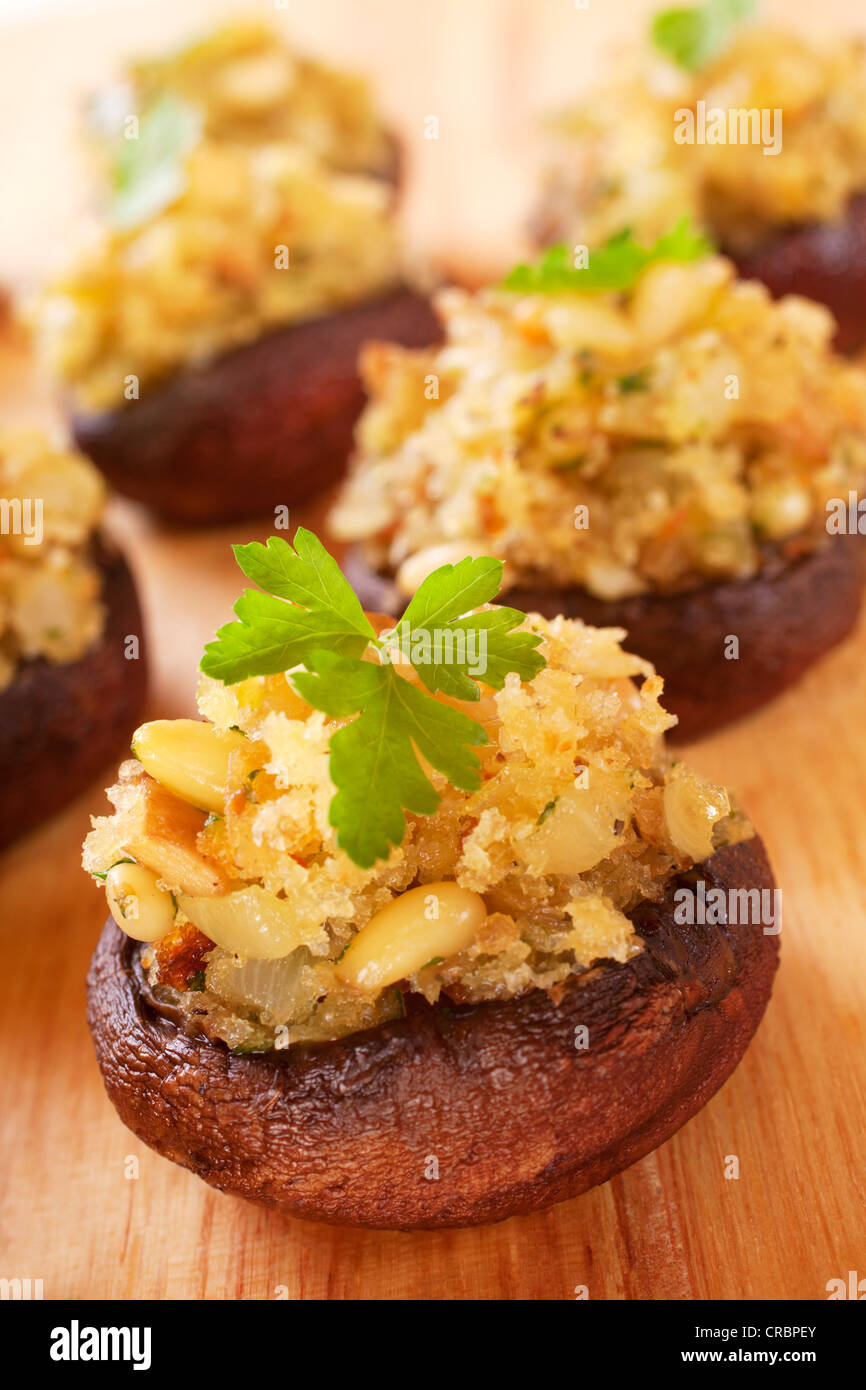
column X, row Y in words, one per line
column 280, row 991
column 692, row 808
column 583, row 828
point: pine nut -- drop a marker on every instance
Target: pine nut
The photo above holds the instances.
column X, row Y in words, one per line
column 781, row 509
column 189, row 757
column 435, row 919
column 141, row 909
column 670, row 296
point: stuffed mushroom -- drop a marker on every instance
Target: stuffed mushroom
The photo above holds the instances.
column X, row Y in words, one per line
column 648, row 443
column 409, row 929
column 208, row 340
column 756, row 133
column 72, row 667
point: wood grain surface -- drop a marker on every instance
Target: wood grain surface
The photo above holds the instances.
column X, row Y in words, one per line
column 75, row 1211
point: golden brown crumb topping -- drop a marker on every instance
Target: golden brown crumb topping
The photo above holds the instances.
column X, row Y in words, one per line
column 515, row 886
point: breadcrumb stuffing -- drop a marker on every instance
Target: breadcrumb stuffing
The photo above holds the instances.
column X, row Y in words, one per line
column 281, row 213
column 573, row 825
column 687, row 430
column 50, row 587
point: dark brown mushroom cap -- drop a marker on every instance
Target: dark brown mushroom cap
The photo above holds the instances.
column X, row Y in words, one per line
column 496, row 1099
column 60, row 725
column 825, row 261
column 785, row 619
column 264, row 425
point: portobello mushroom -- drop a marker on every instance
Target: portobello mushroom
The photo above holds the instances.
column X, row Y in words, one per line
column 515, row 1112
column 263, row 425
column 785, row 619
column 372, row 1000
column 60, row 724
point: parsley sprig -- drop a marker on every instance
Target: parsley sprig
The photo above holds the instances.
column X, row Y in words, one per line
column 309, row 623
column 691, row 37
column 148, row 172
column 614, row 266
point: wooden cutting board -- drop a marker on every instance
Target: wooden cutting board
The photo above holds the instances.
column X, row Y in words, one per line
column 90, row 1211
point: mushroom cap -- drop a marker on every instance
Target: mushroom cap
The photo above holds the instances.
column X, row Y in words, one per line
column 61, row 724
column 263, row 425
column 452, row 1116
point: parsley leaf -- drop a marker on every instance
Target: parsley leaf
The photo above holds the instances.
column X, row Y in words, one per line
column 453, row 590
column 614, row 266
column 454, row 647
column 373, row 761
column 148, row 172
column 273, row 635
column 691, row 37
column 306, row 574
column 310, row 617
column 490, row 650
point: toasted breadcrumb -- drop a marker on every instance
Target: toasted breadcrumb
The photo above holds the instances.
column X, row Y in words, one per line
column 578, row 819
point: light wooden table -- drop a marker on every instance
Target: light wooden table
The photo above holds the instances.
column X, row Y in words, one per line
column 794, row 1113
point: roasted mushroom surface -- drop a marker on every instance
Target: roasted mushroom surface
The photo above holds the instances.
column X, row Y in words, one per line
column 264, row 425
column 452, row 1116
column 823, row 261
column 62, row 723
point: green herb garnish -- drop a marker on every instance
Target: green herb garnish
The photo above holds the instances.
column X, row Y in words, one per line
column 691, row 37
column 614, row 266
column 635, row 381
column 195, row 983
column 272, row 636
column 309, row 617
column 547, row 811
column 148, row 172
